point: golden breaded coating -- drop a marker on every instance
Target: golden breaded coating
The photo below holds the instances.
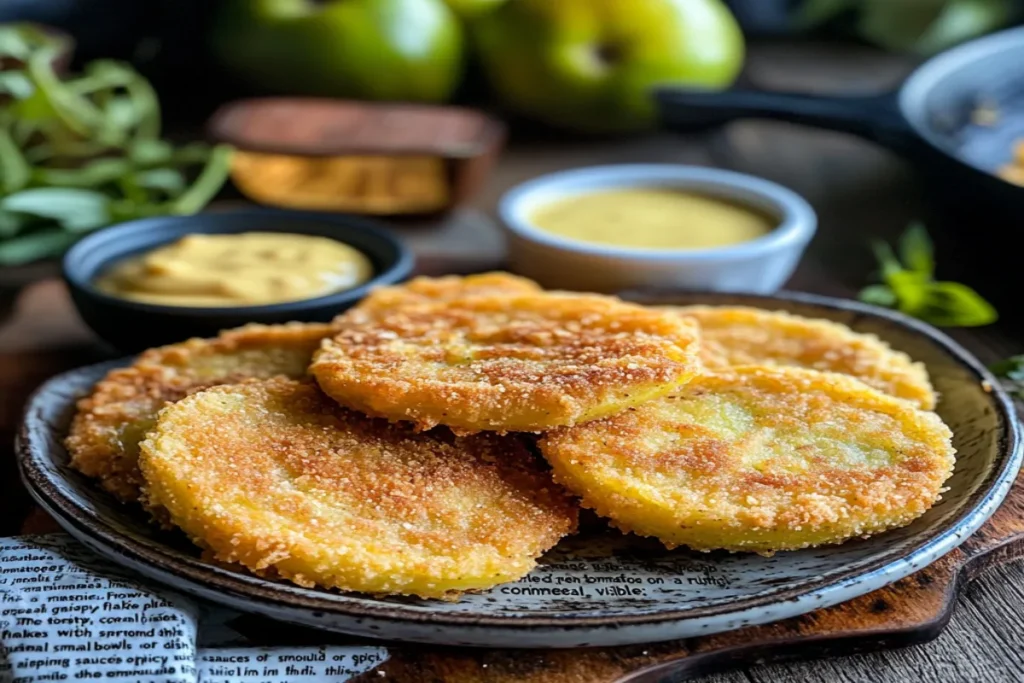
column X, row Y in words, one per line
column 508, row 363
column 447, row 288
column 105, row 433
column 758, row 459
column 277, row 477
column 736, row 335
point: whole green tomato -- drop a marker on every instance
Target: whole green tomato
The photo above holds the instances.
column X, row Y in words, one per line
column 590, row 65
column 367, row 49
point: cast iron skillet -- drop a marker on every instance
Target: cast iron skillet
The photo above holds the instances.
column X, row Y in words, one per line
column 932, row 120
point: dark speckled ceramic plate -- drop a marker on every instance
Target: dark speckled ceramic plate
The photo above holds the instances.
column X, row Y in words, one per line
column 600, row 588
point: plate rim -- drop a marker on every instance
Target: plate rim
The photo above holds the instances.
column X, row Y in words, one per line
column 981, row 504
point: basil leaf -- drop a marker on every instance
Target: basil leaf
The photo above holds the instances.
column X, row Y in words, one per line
column 886, row 258
column 879, row 295
column 916, row 250
column 910, row 288
column 34, row 246
column 77, row 210
column 951, row 304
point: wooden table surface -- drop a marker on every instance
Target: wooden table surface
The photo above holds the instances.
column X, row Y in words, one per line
column 859, row 191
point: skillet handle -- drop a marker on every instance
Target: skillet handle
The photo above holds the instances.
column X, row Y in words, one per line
column 875, row 117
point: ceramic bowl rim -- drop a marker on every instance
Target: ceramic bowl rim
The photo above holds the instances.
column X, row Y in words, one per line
column 797, row 219
column 978, row 507
column 390, row 272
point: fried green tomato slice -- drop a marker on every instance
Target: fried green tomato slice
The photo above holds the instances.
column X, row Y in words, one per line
column 103, row 441
column 275, row 476
column 447, row 288
column 506, row 363
column 758, row 459
column 732, row 336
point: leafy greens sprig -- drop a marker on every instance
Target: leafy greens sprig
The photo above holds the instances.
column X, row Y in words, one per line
column 82, row 152
column 1011, row 371
column 909, row 285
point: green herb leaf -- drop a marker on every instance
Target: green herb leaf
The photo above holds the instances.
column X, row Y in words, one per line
column 910, row 287
column 886, row 257
column 1009, row 368
column 83, row 151
column 879, row 295
column 14, row 170
column 209, row 182
column 77, row 210
column 951, row 304
column 16, row 84
column 167, row 180
column 90, row 175
column 1011, row 371
column 12, row 223
column 916, row 250
column 34, row 246
column 150, row 152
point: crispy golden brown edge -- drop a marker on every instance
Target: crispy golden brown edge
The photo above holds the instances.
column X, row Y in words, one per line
column 104, row 434
column 738, row 335
column 758, row 459
column 506, row 363
column 275, row 476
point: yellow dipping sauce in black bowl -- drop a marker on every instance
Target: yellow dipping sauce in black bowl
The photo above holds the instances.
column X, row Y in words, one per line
column 159, row 280
column 243, row 269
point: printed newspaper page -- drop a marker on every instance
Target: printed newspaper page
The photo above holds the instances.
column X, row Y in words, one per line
column 68, row 615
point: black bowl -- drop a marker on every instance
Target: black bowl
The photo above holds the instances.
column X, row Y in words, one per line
column 131, row 325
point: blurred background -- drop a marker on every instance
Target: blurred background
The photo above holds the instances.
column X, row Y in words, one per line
column 107, row 104
column 199, row 53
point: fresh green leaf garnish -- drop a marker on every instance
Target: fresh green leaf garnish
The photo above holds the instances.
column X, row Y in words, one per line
column 34, row 246
column 908, row 285
column 74, row 209
column 886, row 257
column 1011, row 370
column 951, row 304
column 14, row 170
column 207, row 184
column 917, row 251
column 879, row 295
column 80, row 152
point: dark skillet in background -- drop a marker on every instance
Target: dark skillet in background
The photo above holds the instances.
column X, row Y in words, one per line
column 977, row 218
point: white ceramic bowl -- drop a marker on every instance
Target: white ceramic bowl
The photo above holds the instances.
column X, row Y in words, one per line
column 760, row 266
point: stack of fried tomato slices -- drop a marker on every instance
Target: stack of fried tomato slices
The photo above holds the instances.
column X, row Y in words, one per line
column 440, row 437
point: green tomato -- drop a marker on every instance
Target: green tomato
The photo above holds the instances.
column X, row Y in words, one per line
column 590, row 65
column 372, row 49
